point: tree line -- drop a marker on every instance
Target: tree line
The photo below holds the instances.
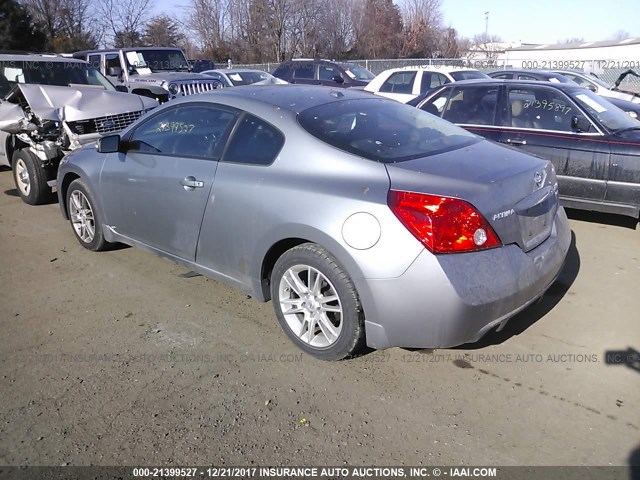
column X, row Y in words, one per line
column 245, row 31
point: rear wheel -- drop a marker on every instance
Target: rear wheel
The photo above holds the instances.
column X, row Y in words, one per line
column 84, row 218
column 30, row 178
column 316, row 303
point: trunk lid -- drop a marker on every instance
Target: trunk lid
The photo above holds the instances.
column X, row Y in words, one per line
column 515, row 192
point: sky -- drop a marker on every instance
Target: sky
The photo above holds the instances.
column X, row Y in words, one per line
column 543, row 21
column 529, row 21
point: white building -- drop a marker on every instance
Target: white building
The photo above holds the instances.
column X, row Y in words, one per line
column 594, row 56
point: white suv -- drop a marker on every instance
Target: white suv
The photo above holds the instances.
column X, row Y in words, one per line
column 405, row 84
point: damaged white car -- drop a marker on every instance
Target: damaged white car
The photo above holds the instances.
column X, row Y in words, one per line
column 51, row 105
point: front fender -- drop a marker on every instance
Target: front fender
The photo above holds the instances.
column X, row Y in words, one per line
column 79, row 164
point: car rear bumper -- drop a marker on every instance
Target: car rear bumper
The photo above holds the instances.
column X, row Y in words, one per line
column 447, row 300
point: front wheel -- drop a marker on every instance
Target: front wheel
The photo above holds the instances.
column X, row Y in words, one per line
column 30, row 178
column 316, row 303
column 84, row 218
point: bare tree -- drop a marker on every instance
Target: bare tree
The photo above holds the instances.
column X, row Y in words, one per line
column 336, row 29
column 209, row 21
column 380, row 31
column 486, row 46
column 620, row 35
column 124, row 20
column 422, row 27
column 568, row 41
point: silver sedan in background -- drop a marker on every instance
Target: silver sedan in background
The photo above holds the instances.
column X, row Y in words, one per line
column 238, row 77
column 363, row 219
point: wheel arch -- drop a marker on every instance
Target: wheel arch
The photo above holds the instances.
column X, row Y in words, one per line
column 274, row 249
column 63, row 189
column 12, row 145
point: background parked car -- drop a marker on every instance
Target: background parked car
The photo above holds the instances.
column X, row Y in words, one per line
column 405, row 84
column 155, row 72
column 323, row 72
column 594, row 146
column 51, row 105
column 539, row 75
column 381, row 262
column 633, row 109
column 600, row 87
column 237, row 77
column 200, row 65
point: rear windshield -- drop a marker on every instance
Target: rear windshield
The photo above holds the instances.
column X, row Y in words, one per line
column 468, row 75
column 383, row 130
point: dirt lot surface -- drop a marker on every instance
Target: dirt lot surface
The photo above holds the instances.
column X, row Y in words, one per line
column 116, row 359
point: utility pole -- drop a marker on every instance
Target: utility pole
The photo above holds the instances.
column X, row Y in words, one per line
column 486, row 24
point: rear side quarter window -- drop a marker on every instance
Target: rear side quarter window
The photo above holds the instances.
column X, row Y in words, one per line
column 254, row 142
column 399, row 82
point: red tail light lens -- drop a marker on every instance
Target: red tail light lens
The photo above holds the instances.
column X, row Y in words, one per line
column 443, row 224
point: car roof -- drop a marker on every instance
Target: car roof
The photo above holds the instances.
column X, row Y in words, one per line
column 501, row 81
column 545, row 73
column 128, row 49
column 227, row 71
column 433, row 68
column 39, row 57
column 291, row 98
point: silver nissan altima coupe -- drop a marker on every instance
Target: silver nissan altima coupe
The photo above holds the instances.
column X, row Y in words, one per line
column 366, row 221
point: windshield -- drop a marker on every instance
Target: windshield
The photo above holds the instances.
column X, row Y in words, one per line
column 57, row 73
column 248, row 78
column 356, row 72
column 468, row 75
column 607, row 114
column 383, row 130
column 157, row 60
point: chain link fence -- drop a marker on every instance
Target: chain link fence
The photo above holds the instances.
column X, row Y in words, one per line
column 606, row 70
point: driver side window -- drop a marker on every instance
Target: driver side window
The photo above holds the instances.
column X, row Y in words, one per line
column 327, row 72
column 540, row 108
column 198, row 131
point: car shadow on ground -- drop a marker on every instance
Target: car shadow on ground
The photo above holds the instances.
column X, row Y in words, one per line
column 530, row 315
column 13, row 192
column 634, row 463
column 603, row 218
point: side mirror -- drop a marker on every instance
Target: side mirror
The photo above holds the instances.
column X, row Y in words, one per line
column 122, row 88
column 108, row 144
column 338, row 79
column 114, row 71
column 580, row 124
column 591, row 87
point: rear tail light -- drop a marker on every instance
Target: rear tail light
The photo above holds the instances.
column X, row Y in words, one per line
column 443, row 224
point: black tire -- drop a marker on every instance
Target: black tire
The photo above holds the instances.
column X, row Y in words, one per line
column 351, row 338
column 97, row 242
column 32, row 186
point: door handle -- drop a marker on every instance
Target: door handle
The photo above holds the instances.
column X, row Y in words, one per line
column 515, row 141
column 190, row 183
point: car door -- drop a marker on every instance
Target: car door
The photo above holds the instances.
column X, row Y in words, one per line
column 429, row 81
column 112, row 65
column 623, row 185
column 473, row 107
column 399, row 86
column 224, row 242
column 304, row 73
column 538, row 120
column 327, row 75
column 157, row 191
